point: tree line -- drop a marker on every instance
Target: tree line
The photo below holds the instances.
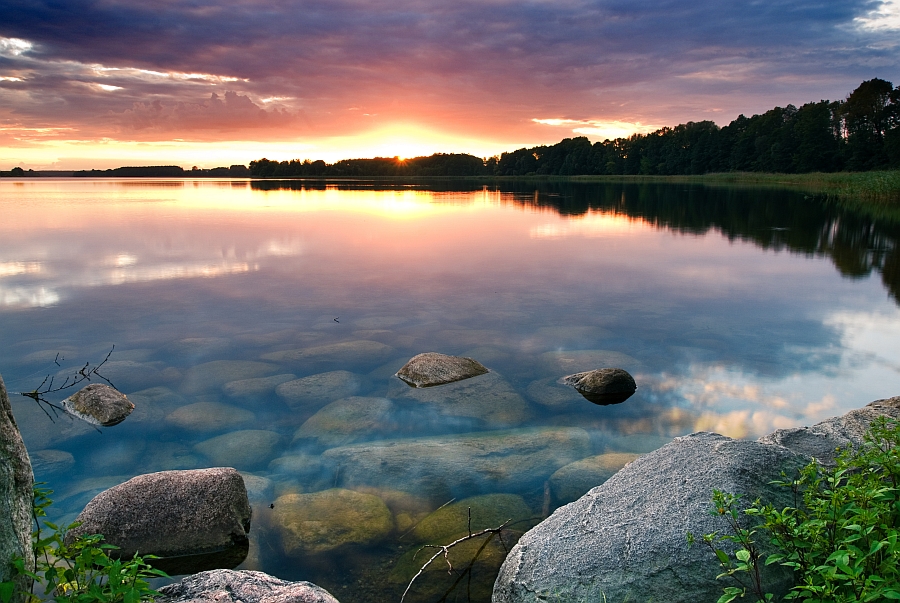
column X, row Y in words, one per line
column 860, row 133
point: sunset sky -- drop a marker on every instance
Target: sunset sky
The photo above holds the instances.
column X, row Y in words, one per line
column 105, row 83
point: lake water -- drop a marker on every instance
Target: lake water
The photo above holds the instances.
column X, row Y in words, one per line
column 259, row 326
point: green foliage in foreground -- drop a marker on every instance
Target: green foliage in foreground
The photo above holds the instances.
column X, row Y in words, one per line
column 841, row 541
column 80, row 571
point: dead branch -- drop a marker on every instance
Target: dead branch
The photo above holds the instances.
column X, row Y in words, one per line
column 444, row 549
column 85, row 373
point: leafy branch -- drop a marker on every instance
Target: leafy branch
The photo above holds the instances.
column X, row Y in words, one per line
column 80, row 571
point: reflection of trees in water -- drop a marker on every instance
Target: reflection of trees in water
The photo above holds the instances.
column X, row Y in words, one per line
column 856, row 242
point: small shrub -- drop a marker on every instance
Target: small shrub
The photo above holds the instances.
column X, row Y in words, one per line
column 80, row 571
column 841, row 538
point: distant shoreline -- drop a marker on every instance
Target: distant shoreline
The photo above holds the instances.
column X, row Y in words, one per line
column 880, row 188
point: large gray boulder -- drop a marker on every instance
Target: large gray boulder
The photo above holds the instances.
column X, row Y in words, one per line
column 194, row 520
column 228, row 586
column 627, row 539
column 16, row 484
column 821, row 440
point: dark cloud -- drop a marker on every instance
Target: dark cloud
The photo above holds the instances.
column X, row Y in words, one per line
column 223, row 114
column 500, row 60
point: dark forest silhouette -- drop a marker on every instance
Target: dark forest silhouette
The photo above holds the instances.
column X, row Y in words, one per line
column 860, row 133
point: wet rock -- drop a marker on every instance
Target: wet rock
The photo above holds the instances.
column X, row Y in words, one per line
column 603, row 386
column 49, row 461
column 99, row 404
column 574, row 480
column 245, row 449
column 346, row 421
column 820, row 440
column 188, row 518
column 16, row 482
column 488, row 398
column 574, row 361
column 209, row 416
column 328, row 520
column 320, row 389
column 357, row 352
column 244, row 586
column 627, row 537
column 255, row 388
column 431, row 368
column 213, row 375
column 488, row 511
column 442, row 467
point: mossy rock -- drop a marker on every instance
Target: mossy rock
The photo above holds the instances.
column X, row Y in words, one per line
column 329, row 520
column 488, row 511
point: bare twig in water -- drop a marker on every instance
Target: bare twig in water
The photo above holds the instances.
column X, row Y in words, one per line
column 444, row 549
column 47, row 386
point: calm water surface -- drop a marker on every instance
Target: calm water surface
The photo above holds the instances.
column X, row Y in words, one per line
column 259, row 325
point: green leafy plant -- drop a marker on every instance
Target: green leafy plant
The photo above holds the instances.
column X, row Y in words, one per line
column 79, row 570
column 841, row 536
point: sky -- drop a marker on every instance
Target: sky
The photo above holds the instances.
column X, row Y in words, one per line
column 105, row 83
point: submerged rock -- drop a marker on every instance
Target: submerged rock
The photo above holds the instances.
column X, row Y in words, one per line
column 431, row 368
column 603, row 386
column 213, row 375
column 331, row 519
column 319, row 389
column 209, row 416
column 243, row 586
column 246, row 449
column 193, row 520
column 346, row 421
column 254, row 388
column 49, row 461
column 488, row 398
column 99, row 404
column 439, row 468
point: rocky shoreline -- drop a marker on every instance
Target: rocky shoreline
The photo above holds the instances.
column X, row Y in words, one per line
column 623, row 540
